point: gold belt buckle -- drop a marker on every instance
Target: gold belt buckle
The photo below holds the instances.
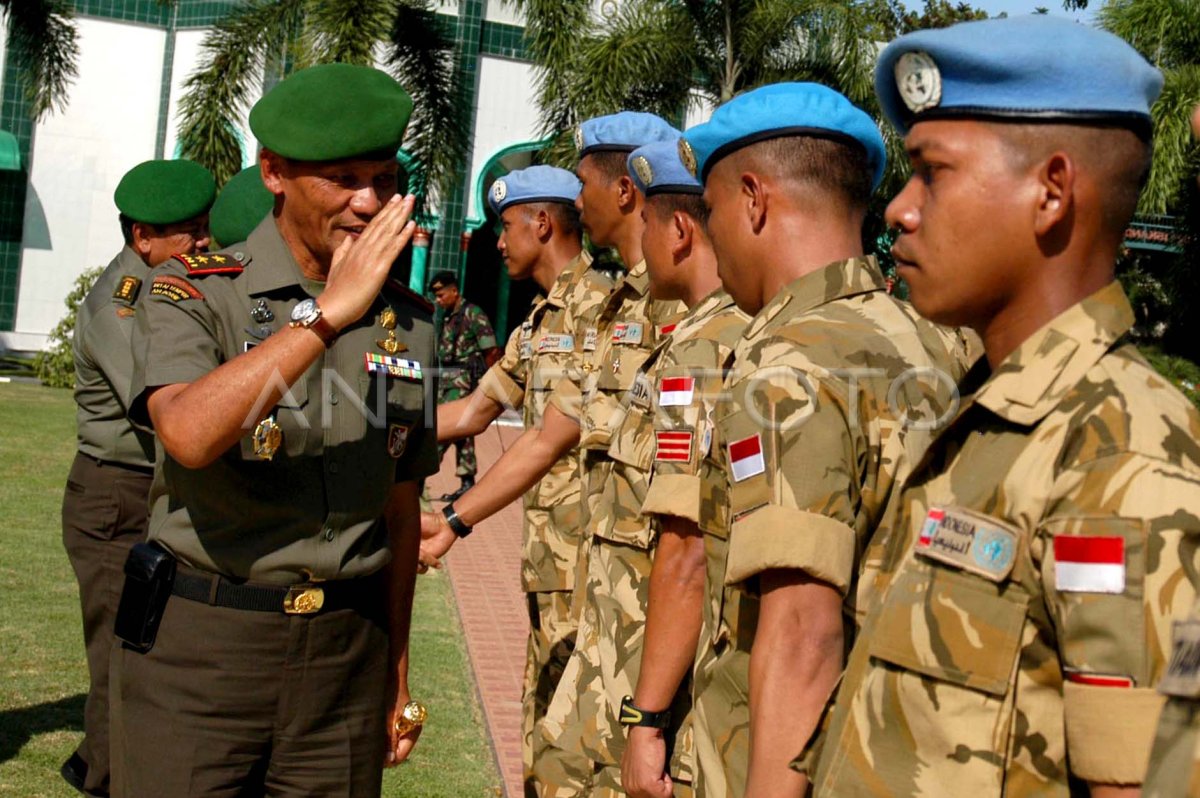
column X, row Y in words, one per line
column 303, row 600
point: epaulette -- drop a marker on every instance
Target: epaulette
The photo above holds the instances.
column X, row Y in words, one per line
column 202, row 264
column 407, row 293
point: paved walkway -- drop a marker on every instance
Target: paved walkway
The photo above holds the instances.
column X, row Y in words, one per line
column 485, row 572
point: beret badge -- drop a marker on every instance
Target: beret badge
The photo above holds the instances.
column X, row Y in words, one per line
column 644, row 171
column 918, row 81
column 687, row 157
column 579, row 139
column 499, row 191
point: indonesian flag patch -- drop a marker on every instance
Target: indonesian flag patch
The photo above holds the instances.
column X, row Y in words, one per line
column 676, row 391
column 672, row 446
column 1089, row 564
column 746, row 458
column 1099, row 679
column 667, row 329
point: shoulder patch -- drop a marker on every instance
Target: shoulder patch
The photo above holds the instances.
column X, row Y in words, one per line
column 200, row 265
column 174, row 288
column 406, row 293
column 127, row 289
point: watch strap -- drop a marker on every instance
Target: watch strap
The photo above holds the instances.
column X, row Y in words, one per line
column 324, row 330
column 632, row 715
column 456, row 524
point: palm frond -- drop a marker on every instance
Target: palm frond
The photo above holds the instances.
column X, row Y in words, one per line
column 346, row 31
column 555, row 33
column 218, row 93
column 422, row 56
column 1176, row 153
column 45, row 46
column 1167, row 32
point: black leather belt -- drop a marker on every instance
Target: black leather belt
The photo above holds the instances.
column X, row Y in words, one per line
column 306, row 599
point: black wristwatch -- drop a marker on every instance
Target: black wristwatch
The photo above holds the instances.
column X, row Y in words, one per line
column 454, row 522
column 633, row 716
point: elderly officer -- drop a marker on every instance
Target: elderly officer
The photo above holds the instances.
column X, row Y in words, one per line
column 540, row 240
column 833, row 391
column 163, row 211
column 583, row 409
column 1049, row 536
column 286, row 500
column 466, row 346
column 664, row 428
column 242, row 203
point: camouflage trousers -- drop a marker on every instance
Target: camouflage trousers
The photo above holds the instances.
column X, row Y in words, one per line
column 551, row 640
column 465, row 465
column 595, row 780
column 721, row 721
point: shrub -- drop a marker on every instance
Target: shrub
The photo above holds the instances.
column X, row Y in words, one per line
column 55, row 365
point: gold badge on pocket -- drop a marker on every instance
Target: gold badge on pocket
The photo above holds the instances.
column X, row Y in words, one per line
column 267, row 438
column 390, row 344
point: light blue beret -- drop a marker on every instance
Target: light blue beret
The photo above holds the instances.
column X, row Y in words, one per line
column 1030, row 67
column 622, row 132
column 656, row 169
column 776, row 111
column 533, row 184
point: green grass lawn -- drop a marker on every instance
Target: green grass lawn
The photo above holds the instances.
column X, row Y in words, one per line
column 43, row 673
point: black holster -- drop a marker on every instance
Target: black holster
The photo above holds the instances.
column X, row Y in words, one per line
column 149, row 577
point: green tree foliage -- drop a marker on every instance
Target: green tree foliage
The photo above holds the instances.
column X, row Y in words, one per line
column 45, row 46
column 262, row 41
column 55, row 365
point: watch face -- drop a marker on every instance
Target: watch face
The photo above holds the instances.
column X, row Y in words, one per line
column 304, row 309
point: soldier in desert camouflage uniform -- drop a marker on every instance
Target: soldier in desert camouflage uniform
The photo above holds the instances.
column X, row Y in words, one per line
column 834, row 387
column 540, row 240
column 1050, row 533
column 665, row 428
column 581, row 411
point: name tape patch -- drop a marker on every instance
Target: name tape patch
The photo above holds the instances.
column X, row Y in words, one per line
column 628, row 332
column 968, row 541
column 174, row 288
column 556, row 343
column 1183, row 671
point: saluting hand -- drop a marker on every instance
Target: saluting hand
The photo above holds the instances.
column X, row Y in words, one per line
column 361, row 266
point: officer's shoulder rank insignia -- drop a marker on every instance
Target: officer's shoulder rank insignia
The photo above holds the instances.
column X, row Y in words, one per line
column 202, row 264
column 397, row 439
column 174, row 288
column 127, row 289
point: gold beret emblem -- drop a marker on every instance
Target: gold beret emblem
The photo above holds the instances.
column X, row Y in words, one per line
column 579, row 139
column 919, row 81
column 687, row 157
column 643, row 170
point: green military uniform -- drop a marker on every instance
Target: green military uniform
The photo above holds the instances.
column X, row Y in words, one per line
column 104, row 505
column 241, row 205
column 804, row 465
column 615, row 563
column 1049, row 537
column 465, row 337
column 547, row 345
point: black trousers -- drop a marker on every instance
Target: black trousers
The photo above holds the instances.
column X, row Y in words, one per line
column 103, row 514
column 233, row 702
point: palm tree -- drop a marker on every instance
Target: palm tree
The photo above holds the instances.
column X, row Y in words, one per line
column 44, row 42
column 272, row 38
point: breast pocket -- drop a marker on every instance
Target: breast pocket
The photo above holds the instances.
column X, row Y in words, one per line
column 293, row 418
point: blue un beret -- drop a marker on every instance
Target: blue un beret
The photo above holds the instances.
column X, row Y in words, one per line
column 533, row 184
column 656, row 169
column 1031, row 67
column 778, row 110
column 622, row 132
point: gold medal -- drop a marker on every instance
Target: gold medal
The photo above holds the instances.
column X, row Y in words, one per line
column 387, row 320
column 268, row 436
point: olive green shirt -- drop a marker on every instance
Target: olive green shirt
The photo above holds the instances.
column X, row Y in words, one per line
column 104, row 364
column 314, row 509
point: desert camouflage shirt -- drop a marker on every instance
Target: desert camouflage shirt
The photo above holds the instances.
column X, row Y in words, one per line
column 546, row 347
column 1051, row 535
column 1175, row 758
column 835, row 388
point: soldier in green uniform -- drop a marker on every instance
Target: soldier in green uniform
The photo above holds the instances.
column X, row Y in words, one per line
column 834, row 389
column 540, row 240
column 583, row 411
column 286, row 498
column 104, row 506
column 1049, row 537
column 1175, row 758
column 664, row 430
column 242, row 203
column 466, row 348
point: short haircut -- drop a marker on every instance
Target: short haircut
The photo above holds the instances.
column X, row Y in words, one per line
column 1117, row 158
column 443, row 279
column 566, row 217
column 691, row 204
column 835, row 167
column 610, row 164
column 127, row 227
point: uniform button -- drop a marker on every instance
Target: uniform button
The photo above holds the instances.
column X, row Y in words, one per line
column 329, row 534
column 239, row 256
column 333, row 400
column 333, row 468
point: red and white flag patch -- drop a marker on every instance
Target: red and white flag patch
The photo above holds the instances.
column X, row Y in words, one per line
column 929, row 528
column 1099, row 679
column 671, row 446
column 746, row 458
column 667, row 329
column 1089, row 564
column 676, row 391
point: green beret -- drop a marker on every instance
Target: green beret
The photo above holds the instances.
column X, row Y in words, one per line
column 165, row 192
column 331, row 112
column 240, row 206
